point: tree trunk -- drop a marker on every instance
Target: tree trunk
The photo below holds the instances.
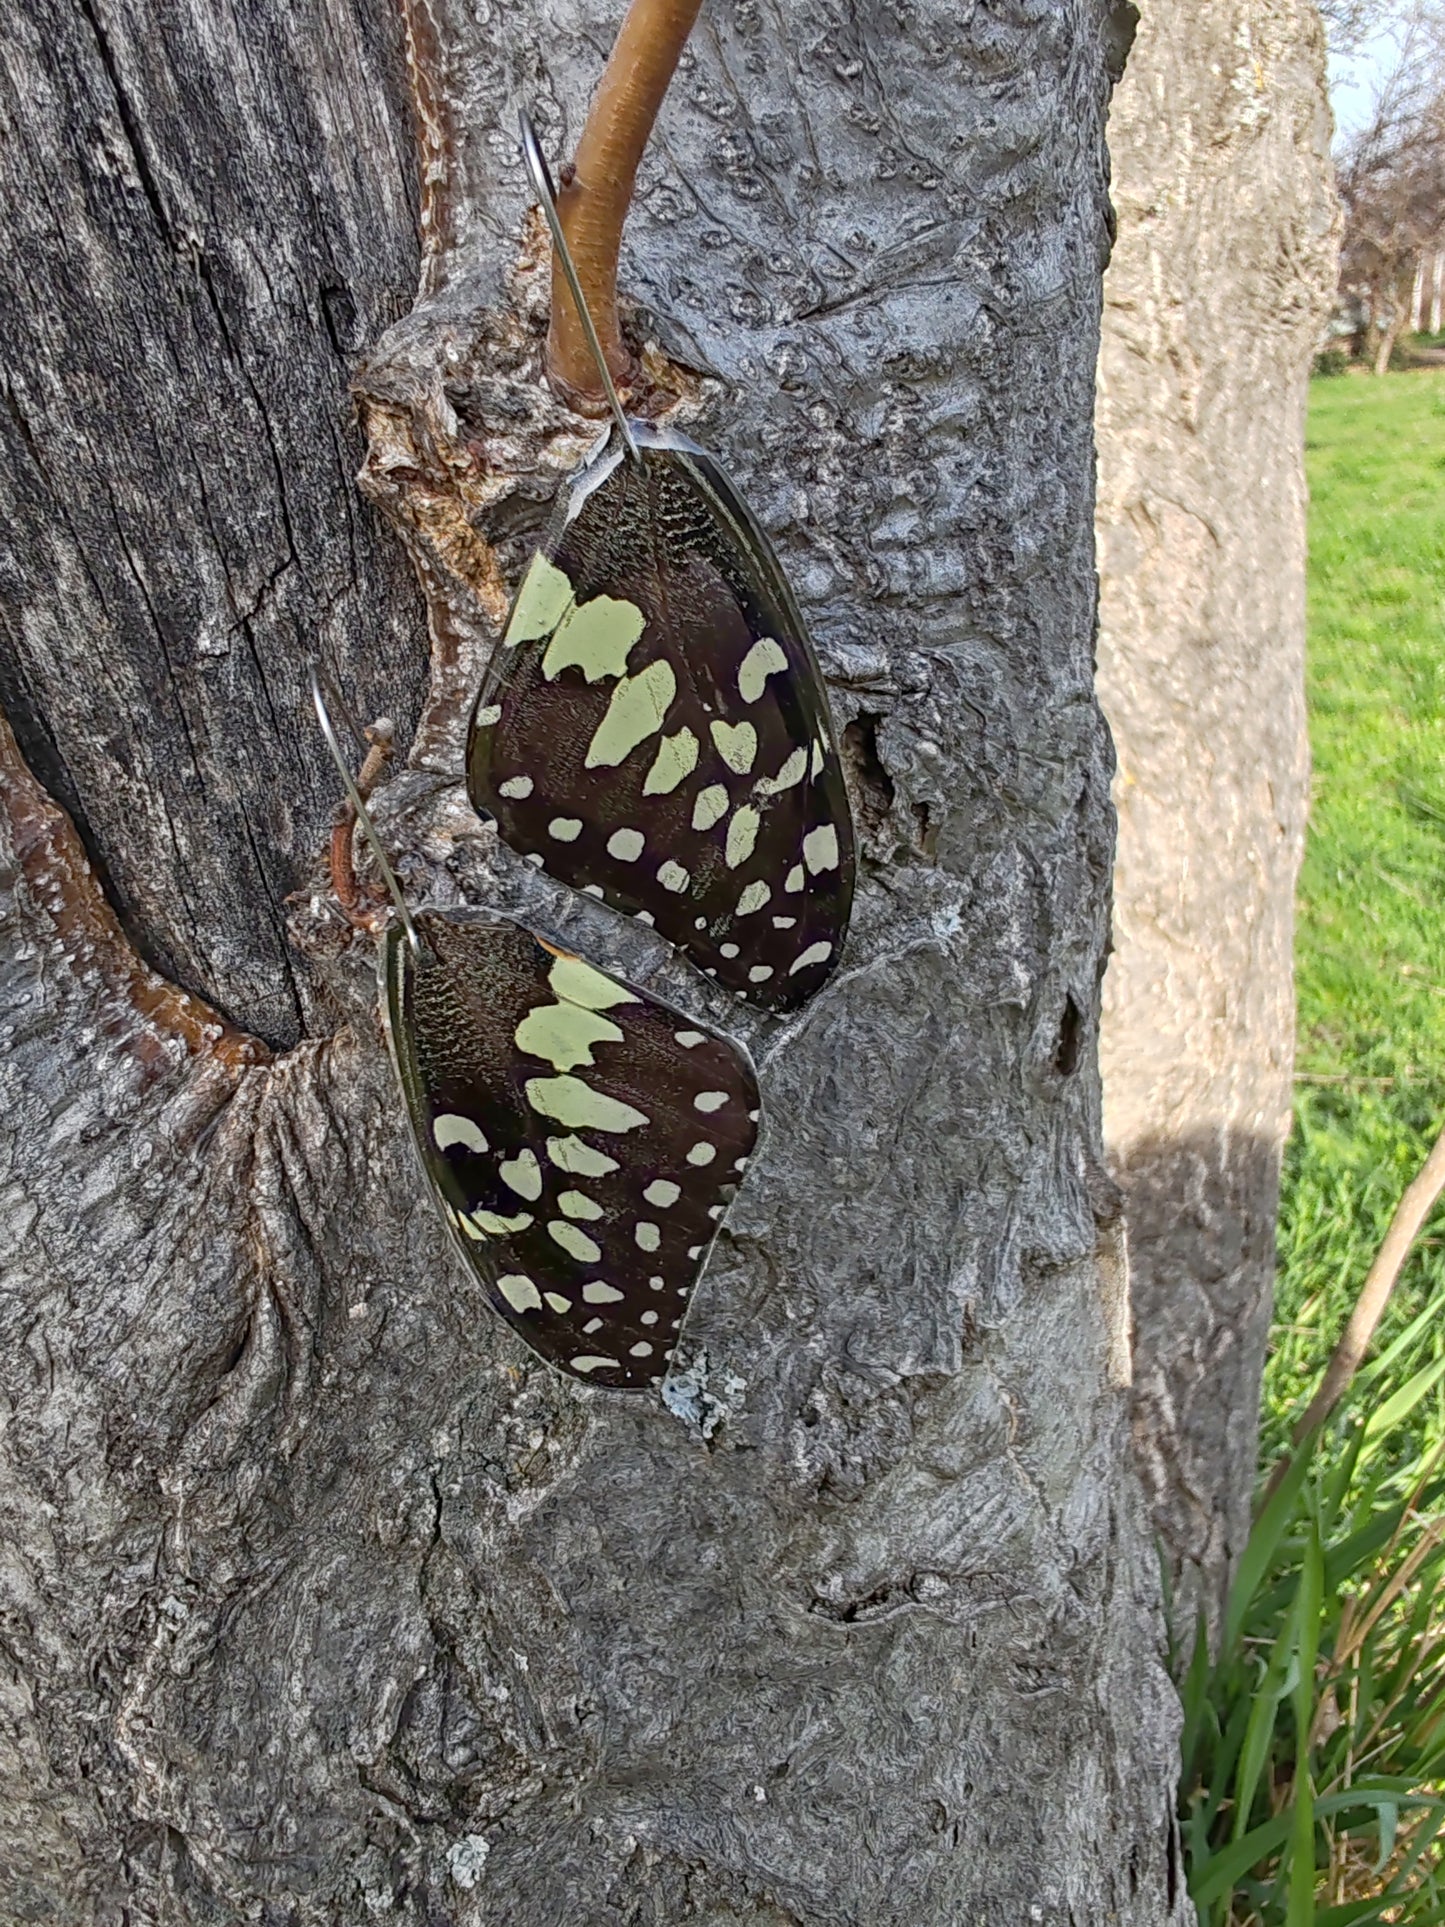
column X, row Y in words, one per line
column 1223, row 272
column 322, row 1600
column 1389, row 335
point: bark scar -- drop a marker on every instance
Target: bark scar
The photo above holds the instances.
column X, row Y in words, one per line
column 88, row 934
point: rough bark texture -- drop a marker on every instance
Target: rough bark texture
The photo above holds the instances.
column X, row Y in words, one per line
column 206, row 212
column 322, row 1601
column 1219, row 137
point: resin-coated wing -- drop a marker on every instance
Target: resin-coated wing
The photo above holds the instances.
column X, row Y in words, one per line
column 654, row 727
column 582, row 1139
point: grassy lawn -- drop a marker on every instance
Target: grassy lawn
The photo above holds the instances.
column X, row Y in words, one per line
column 1314, row 1735
column 1371, row 937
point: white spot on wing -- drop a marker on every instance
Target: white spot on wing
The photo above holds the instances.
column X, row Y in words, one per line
column 737, row 744
column 793, row 771
column 702, row 1154
column 516, row 787
column 487, row 718
column 572, row 1155
column 676, row 758
column 662, row 1192
column 742, row 835
column 523, row 1175
column 557, row 1301
column 764, row 659
column 577, row 1107
column 492, row 1224
column 565, row 829
column 626, row 845
column 576, row 1204
column 598, row 1293
column 519, row 1291
column 589, row 1362
column 760, row 973
column 689, row 1039
column 648, row 1236
column 641, row 1350
column 820, row 848
column 710, row 806
column 814, row 954
column 794, row 879
column 451, row 1129
column 574, row 1242
column 709, row 1100
column 673, row 877
column 753, row 898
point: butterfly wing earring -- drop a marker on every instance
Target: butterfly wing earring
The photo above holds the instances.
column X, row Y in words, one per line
column 654, row 725
column 581, row 1139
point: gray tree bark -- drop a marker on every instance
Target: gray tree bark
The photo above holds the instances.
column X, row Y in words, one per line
column 321, row 1600
column 1222, row 274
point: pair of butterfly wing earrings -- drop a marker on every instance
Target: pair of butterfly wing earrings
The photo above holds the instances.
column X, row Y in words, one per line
column 653, row 729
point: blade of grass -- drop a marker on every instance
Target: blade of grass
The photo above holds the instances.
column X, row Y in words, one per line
column 1302, row 1849
column 1265, row 1535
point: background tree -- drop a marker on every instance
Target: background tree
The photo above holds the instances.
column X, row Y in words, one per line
column 1221, row 276
column 1392, row 188
column 322, row 1600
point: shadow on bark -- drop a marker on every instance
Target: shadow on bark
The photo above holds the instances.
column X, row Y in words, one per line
column 1201, row 1211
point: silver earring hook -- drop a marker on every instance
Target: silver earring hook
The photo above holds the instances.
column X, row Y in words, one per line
column 363, row 815
column 540, row 176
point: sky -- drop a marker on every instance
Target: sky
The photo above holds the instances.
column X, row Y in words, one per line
column 1354, row 78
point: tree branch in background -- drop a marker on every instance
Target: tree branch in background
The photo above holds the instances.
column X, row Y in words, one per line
column 1410, row 1215
column 1349, row 22
column 596, row 190
column 1392, row 188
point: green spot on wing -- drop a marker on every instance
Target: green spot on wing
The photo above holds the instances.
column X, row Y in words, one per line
column 676, row 759
column 579, row 983
column 595, row 637
column 764, row 659
column 564, row 1034
column 542, row 601
column 577, row 1106
column 737, row 744
column 572, row 1154
column 637, row 709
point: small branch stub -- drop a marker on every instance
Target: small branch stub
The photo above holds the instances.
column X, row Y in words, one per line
column 596, row 192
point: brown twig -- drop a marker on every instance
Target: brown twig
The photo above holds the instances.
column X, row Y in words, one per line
column 354, row 899
column 596, row 191
column 1410, row 1215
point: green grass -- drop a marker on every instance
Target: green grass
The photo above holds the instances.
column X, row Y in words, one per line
column 1371, row 943
column 1315, row 1738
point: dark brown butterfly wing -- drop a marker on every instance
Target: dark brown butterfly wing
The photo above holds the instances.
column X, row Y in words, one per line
column 582, row 1139
column 655, row 729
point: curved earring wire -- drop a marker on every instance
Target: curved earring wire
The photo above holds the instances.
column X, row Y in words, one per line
column 363, row 815
column 540, row 176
